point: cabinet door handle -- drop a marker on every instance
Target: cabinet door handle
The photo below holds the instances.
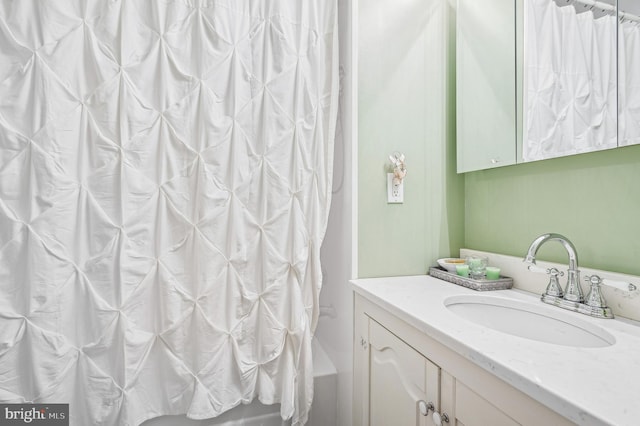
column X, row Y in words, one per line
column 363, row 343
column 425, row 407
column 439, row 418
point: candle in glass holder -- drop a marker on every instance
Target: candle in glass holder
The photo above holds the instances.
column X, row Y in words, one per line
column 477, row 265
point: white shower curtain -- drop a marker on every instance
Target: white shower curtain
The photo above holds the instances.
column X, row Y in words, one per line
column 629, row 82
column 569, row 81
column 165, row 180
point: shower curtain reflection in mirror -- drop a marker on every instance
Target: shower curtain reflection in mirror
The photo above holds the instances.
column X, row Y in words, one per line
column 629, row 72
column 569, row 84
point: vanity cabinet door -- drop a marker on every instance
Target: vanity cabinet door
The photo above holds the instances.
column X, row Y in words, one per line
column 465, row 407
column 397, row 369
column 399, row 379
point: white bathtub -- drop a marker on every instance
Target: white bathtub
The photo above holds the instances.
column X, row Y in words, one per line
column 323, row 411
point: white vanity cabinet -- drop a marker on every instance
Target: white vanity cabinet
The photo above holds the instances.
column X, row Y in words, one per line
column 399, row 371
column 399, row 380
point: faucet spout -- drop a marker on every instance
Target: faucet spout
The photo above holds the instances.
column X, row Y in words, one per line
column 573, row 291
column 566, row 243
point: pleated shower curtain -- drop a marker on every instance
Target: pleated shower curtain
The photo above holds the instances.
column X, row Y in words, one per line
column 569, row 88
column 629, row 82
column 165, row 180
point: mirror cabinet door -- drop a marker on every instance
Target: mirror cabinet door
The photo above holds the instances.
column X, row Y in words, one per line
column 485, row 84
column 628, row 72
column 569, row 87
column 539, row 79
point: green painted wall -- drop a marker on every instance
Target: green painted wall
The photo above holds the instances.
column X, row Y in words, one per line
column 406, row 94
column 405, row 104
column 593, row 199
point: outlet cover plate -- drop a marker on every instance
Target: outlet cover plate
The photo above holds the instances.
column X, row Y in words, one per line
column 395, row 194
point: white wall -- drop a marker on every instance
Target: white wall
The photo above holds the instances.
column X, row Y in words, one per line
column 335, row 326
column 630, row 6
column 405, row 103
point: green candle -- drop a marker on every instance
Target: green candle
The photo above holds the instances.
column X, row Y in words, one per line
column 462, row 270
column 492, row 273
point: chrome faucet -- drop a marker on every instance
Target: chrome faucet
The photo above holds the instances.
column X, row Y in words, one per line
column 572, row 297
column 573, row 291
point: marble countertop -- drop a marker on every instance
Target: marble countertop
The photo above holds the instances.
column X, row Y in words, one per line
column 589, row 386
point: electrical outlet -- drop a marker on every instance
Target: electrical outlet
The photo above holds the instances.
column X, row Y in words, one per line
column 395, row 193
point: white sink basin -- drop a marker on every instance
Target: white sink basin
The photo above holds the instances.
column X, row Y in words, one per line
column 531, row 321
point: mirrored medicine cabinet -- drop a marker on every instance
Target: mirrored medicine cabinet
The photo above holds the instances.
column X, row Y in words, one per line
column 552, row 90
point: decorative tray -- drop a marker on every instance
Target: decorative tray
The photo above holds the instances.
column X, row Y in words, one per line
column 502, row 283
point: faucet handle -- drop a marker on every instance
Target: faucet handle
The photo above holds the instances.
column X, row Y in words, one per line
column 538, row 270
column 555, row 273
column 593, row 279
column 595, row 298
column 554, row 288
